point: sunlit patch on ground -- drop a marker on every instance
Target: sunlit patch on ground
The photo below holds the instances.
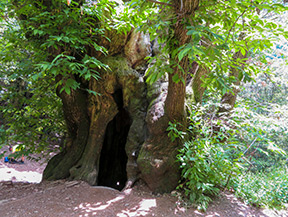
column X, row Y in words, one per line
column 142, row 209
column 89, row 208
column 11, row 174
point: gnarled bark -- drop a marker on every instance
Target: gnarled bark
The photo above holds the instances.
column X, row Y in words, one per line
column 157, row 158
column 113, row 122
column 121, row 131
column 121, row 104
column 77, row 120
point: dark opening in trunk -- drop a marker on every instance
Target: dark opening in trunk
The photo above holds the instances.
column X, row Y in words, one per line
column 113, row 159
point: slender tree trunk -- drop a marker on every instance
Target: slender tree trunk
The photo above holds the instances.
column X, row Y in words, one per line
column 228, row 100
column 197, row 83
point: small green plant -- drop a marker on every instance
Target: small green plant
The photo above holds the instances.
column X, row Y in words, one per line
column 174, row 132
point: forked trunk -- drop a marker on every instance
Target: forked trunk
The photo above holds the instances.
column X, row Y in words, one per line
column 120, row 134
column 157, row 158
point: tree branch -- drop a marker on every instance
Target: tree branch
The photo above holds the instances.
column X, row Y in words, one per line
column 249, row 147
column 234, row 25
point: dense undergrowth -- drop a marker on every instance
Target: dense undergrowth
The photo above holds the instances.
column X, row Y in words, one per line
column 244, row 151
column 234, row 153
column 264, row 188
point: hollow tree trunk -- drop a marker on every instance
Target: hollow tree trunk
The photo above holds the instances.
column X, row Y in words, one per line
column 121, row 132
column 106, row 130
column 156, row 161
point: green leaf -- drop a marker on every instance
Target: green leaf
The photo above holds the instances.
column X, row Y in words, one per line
column 176, row 78
column 274, row 148
column 184, row 51
column 71, row 83
column 243, row 51
column 93, row 92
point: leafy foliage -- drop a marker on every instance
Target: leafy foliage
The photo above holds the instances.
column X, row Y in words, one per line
column 221, row 149
column 259, row 134
column 208, row 158
column 264, row 104
column 217, row 152
column 218, row 31
column 26, row 115
column 274, row 194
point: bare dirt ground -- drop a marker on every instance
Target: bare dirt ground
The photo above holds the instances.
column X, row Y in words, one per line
column 21, row 194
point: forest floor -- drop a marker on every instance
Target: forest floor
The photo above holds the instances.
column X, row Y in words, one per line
column 21, row 194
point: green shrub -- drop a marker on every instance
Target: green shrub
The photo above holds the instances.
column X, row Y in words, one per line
column 209, row 158
column 216, row 150
column 205, row 169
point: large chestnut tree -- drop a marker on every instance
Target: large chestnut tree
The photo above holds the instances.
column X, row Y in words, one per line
column 121, row 71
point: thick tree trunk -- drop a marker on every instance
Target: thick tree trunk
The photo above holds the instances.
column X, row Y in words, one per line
column 157, row 158
column 106, row 130
column 121, row 133
column 77, row 120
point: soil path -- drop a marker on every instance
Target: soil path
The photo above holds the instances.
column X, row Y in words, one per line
column 18, row 197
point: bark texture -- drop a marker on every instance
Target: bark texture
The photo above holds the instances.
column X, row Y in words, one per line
column 115, row 119
column 197, row 84
column 158, row 154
